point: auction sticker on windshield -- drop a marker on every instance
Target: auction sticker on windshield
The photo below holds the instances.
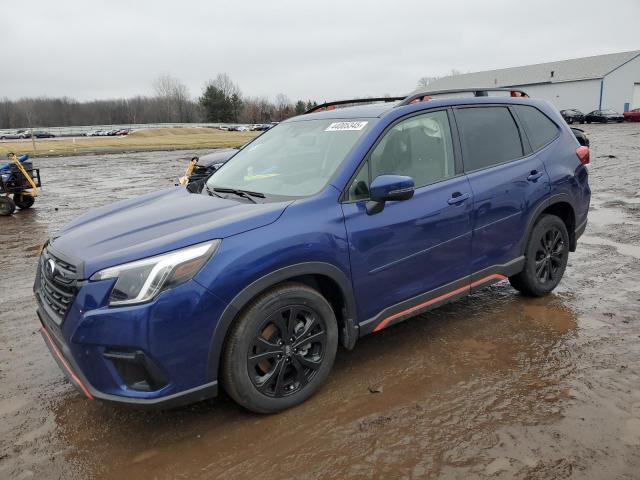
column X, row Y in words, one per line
column 342, row 126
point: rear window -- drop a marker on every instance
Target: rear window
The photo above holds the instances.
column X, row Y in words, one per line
column 540, row 130
column 489, row 136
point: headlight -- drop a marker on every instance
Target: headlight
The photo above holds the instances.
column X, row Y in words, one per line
column 143, row 280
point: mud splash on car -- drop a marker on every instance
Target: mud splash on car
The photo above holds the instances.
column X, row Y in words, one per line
column 496, row 385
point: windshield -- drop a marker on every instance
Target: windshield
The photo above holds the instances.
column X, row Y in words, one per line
column 294, row 159
column 610, row 112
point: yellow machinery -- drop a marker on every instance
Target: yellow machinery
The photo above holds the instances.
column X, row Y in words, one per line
column 19, row 184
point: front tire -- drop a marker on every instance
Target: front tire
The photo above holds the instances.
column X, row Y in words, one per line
column 546, row 257
column 281, row 349
column 7, row 206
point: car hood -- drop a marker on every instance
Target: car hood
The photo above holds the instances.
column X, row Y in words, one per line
column 219, row 156
column 156, row 223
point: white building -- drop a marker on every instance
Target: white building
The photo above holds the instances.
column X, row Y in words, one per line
column 590, row 83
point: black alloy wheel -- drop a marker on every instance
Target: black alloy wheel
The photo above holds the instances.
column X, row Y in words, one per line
column 546, row 255
column 550, row 255
column 280, row 349
column 287, row 352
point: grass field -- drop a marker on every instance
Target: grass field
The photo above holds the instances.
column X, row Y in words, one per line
column 143, row 140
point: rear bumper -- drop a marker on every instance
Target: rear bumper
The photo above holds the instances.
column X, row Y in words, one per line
column 65, row 361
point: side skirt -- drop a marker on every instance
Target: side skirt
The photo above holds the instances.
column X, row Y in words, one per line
column 440, row 296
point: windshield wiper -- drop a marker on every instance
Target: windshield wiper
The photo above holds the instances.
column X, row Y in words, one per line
column 241, row 193
column 211, row 193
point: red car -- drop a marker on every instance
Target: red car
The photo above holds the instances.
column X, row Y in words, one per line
column 633, row 115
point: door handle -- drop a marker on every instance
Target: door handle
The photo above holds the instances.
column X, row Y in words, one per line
column 534, row 175
column 457, row 198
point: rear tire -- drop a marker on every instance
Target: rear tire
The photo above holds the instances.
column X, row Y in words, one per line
column 23, row 201
column 281, row 349
column 546, row 256
column 7, row 206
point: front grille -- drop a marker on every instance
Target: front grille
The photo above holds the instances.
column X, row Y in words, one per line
column 56, row 284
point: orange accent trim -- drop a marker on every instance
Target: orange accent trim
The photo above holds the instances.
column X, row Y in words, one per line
column 444, row 296
column 495, row 276
column 66, row 365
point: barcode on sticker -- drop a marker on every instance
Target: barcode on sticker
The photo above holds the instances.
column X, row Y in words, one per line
column 342, row 126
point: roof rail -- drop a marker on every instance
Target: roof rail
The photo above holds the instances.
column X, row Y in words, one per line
column 418, row 96
column 477, row 92
column 332, row 105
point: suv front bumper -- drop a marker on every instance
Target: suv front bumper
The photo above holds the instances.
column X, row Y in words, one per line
column 168, row 340
column 65, row 361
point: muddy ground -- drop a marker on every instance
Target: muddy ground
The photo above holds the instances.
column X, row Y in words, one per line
column 496, row 385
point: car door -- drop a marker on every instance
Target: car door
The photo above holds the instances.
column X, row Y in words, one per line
column 403, row 254
column 507, row 183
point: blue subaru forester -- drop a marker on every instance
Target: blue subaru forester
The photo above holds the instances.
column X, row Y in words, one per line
column 332, row 225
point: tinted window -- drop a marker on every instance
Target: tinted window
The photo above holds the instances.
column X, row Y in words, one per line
column 489, row 136
column 540, row 130
column 419, row 147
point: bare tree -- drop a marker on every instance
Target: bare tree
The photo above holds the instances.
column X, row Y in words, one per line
column 174, row 99
column 227, row 86
column 424, row 82
column 283, row 106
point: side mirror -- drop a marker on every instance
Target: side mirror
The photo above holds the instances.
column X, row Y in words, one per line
column 389, row 187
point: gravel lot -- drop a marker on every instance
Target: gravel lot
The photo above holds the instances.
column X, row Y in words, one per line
column 496, row 385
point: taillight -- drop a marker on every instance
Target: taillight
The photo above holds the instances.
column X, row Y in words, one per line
column 583, row 154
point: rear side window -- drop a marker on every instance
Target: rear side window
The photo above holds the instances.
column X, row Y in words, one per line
column 540, row 130
column 489, row 136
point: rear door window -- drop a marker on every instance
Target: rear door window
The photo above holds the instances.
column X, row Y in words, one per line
column 540, row 129
column 489, row 136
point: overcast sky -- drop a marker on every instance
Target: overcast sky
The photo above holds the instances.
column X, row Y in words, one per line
column 306, row 49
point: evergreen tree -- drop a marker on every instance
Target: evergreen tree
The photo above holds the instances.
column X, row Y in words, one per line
column 217, row 107
column 300, row 107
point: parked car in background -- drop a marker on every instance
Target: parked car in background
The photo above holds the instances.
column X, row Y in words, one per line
column 24, row 133
column 633, row 115
column 11, row 136
column 570, row 116
column 334, row 225
column 604, row 116
column 42, row 134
